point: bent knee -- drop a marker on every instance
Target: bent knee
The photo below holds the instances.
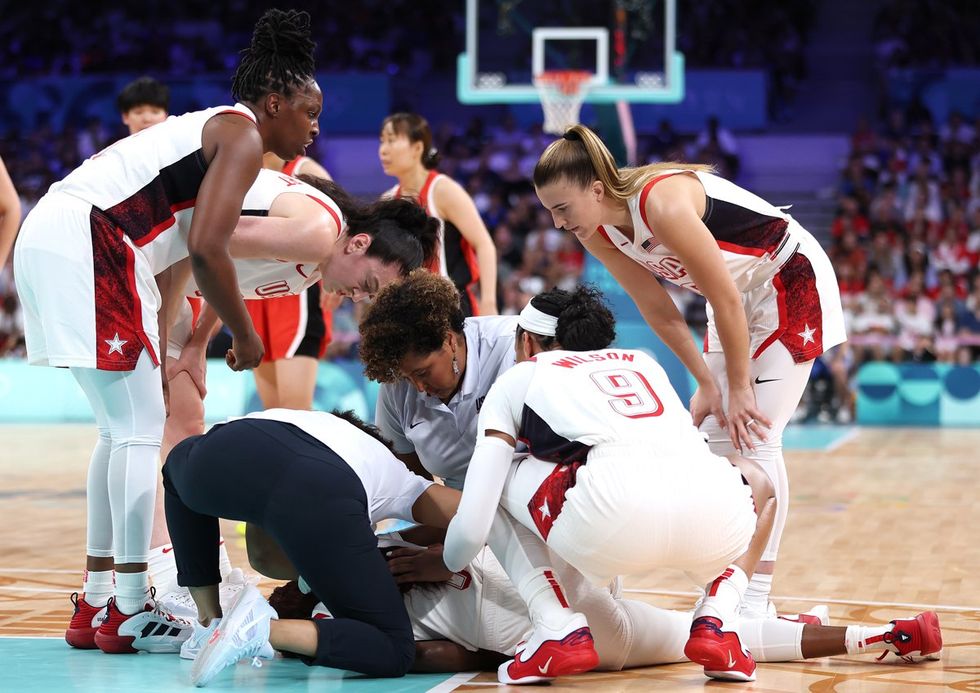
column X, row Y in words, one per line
column 758, row 480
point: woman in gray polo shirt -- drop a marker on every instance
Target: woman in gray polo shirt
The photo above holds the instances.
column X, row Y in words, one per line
column 435, row 368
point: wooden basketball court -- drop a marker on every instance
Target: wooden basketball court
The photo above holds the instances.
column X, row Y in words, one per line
column 883, row 525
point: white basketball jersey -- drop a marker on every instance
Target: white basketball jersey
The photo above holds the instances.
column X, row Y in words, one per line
column 561, row 403
column 261, row 278
column 479, row 608
column 755, row 237
column 146, row 184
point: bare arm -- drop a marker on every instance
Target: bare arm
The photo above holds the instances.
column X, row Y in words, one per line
column 298, row 229
column 457, row 206
column 674, row 208
column 436, row 506
column 309, row 167
column 9, row 214
column 235, row 150
column 654, row 304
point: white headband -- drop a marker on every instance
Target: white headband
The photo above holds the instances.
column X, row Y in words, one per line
column 538, row 322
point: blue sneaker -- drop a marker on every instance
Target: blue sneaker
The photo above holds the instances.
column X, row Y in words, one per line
column 242, row 633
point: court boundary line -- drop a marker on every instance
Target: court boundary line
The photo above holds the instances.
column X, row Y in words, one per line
column 844, row 439
column 820, row 600
column 454, row 682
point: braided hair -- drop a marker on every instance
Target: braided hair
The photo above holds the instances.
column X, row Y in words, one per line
column 279, row 58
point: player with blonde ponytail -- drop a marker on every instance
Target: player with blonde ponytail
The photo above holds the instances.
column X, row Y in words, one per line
column 773, row 301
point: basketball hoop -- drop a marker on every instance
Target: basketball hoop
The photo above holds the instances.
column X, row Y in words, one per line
column 562, row 93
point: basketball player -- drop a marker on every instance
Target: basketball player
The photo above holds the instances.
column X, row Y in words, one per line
column 142, row 103
column 618, row 481
column 773, row 301
column 9, row 214
column 298, row 472
column 325, row 237
column 435, row 369
column 467, row 254
column 471, row 620
column 295, row 329
column 93, row 258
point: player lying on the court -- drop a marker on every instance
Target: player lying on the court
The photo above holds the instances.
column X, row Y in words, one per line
column 472, row 620
column 296, row 473
column 618, row 481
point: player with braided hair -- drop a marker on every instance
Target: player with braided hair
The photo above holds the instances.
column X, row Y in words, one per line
column 95, row 256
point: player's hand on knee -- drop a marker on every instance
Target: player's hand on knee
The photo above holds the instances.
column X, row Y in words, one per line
column 705, row 402
column 745, row 420
column 192, row 361
column 246, row 352
column 418, row 565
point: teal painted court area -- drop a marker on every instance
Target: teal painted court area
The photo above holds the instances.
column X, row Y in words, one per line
column 48, row 664
column 817, row 437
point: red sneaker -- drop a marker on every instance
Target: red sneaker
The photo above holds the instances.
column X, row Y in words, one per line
column 549, row 654
column 914, row 639
column 84, row 623
column 108, row 639
column 719, row 652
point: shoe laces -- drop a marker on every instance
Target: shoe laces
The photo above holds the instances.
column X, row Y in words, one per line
column 708, row 623
column 896, row 637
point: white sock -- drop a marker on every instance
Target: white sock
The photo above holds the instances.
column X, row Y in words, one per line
column 859, row 639
column 224, row 563
column 132, row 591
column 98, row 586
column 162, row 567
column 756, row 599
column 771, row 639
column 545, row 599
column 724, row 595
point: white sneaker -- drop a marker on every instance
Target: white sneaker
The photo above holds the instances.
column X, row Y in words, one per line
column 242, row 633
column 178, row 602
column 156, row 631
column 199, row 638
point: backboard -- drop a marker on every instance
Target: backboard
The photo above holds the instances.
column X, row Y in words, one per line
column 628, row 45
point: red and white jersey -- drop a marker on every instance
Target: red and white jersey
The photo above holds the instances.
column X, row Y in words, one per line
column 620, row 396
column 260, row 278
column 788, row 285
column 456, row 258
column 146, row 184
column 754, row 236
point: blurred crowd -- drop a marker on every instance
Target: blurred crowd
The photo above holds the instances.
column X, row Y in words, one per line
column 925, row 33
column 905, row 243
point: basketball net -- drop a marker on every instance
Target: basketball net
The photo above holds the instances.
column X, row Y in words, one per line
column 562, row 93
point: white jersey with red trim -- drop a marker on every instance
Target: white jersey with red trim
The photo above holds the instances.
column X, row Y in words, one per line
column 146, row 184
column 788, row 284
column 754, row 236
column 261, row 278
column 621, row 395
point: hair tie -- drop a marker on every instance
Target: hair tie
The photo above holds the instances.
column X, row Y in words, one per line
column 432, row 153
column 572, row 135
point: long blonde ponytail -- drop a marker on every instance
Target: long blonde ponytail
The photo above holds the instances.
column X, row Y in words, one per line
column 581, row 157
